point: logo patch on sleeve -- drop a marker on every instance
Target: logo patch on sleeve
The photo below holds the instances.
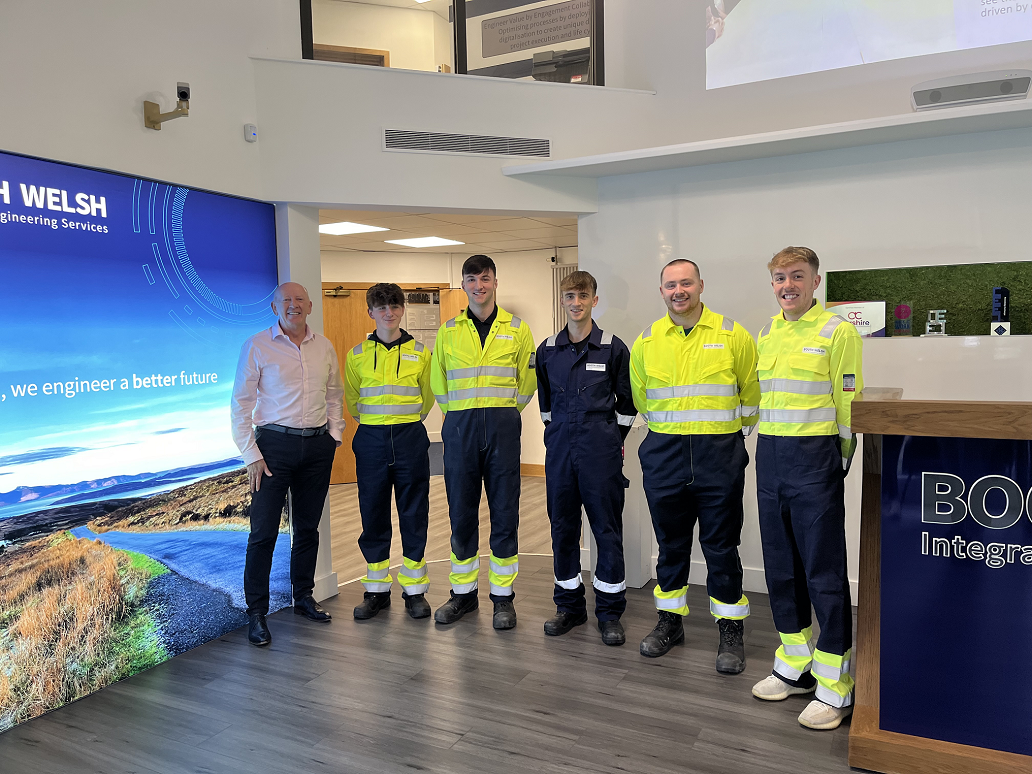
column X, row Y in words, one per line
column 712, row 346
column 595, row 366
column 814, row 351
column 413, row 358
column 533, row 360
column 848, row 382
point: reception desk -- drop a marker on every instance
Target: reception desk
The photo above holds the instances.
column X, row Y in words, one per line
column 944, row 637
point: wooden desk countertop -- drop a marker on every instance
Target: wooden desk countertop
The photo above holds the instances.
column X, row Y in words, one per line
column 881, row 411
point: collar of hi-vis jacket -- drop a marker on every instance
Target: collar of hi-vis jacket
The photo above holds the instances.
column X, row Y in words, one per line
column 709, row 319
column 597, row 338
column 813, row 314
column 502, row 317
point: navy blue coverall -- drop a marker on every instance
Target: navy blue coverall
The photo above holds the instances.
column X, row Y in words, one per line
column 586, row 404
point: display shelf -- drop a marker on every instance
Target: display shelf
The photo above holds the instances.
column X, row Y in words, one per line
column 872, row 131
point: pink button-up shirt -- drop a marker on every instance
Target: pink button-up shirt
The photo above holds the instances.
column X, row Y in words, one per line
column 279, row 383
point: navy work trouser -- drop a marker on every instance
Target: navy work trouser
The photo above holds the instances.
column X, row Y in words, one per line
column 392, row 457
column 301, row 465
column 584, row 467
column 697, row 478
column 482, row 452
column 800, row 487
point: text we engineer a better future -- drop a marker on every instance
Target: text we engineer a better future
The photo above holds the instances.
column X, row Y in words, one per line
column 77, row 386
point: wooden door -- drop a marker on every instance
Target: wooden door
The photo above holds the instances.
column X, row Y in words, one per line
column 453, row 301
column 346, row 323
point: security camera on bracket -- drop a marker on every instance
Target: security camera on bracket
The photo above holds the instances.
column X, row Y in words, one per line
column 153, row 118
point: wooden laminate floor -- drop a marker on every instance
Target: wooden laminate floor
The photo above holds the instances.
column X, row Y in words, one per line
column 346, row 526
column 397, row 695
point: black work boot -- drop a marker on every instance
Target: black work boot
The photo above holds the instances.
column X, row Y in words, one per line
column 417, row 606
column 504, row 615
column 372, row 603
column 563, row 621
column 731, row 651
column 456, row 607
column 612, row 632
column 257, row 630
column 668, row 632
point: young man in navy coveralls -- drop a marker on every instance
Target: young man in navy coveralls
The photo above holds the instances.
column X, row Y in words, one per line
column 584, row 391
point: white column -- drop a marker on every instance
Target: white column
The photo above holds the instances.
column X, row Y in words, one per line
column 297, row 246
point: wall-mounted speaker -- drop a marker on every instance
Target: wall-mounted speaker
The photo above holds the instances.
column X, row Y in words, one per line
column 971, row 89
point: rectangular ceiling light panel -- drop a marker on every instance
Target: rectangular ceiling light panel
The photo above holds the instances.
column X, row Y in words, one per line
column 344, row 227
column 424, row 242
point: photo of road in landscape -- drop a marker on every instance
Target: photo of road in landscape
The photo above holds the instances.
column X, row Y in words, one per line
column 123, row 503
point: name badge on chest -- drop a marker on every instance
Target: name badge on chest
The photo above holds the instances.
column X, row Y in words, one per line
column 595, row 366
column 503, row 336
column 413, row 358
column 712, row 346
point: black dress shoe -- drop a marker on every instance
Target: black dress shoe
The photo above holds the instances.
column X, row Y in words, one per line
column 564, row 621
column 310, row 609
column 504, row 615
column 668, row 632
column 612, row 632
column 731, row 651
column 456, row 607
column 372, row 603
column 417, row 606
column 257, row 630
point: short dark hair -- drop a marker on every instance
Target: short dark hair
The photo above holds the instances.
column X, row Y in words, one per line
column 675, row 262
column 384, row 294
column 578, row 280
column 791, row 255
column 478, row 264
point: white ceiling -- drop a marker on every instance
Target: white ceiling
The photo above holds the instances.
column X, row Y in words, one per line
column 481, row 233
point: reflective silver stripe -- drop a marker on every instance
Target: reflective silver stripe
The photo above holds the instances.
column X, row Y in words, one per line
column 671, row 604
column 845, row 432
column 647, row 332
column 413, row 572
column 625, row 420
column 516, row 321
column 482, row 392
column 388, row 389
column 830, row 697
column 825, row 671
column 609, row 588
column 419, row 346
column 572, row 583
column 546, row 416
column 357, row 350
column 798, row 650
column 464, row 588
column 795, row 386
column 783, row 670
column 505, row 569
column 470, row 566
column 750, row 411
column 521, row 399
column 417, row 588
column 442, row 399
column 747, row 430
column 720, row 610
column 501, row 591
column 798, row 416
column 377, row 574
column 376, row 588
column 728, row 324
column 390, row 408
column 478, row 371
column 692, row 391
column 766, row 329
column 550, row 342
column 830, row 326
column 607, row 339
column 700, row 415
column 450, row 323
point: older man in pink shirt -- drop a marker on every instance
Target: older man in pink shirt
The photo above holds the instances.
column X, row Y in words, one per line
column 288, row 406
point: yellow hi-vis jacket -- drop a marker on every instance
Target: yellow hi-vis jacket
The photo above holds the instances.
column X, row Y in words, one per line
column 388, row 386
column 700, row 384
column 810, row 371
column 465, row 375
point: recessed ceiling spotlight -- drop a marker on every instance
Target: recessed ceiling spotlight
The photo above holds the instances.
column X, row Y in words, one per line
column 344, row 227
column 423, row 242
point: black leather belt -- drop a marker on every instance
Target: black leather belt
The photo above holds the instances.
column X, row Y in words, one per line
column 305, row 431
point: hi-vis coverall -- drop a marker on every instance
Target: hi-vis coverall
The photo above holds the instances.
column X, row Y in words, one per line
column 810, row 371
column 586, row 405
column 481, row 391
column 387, row 388
column 699, row 394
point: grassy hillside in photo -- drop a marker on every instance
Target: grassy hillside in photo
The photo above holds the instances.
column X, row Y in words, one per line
column 71, row 622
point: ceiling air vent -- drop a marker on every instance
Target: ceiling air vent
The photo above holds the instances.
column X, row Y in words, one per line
column 472, row 144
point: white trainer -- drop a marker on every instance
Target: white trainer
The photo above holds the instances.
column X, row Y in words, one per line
column 773, row 688
column 823, row 717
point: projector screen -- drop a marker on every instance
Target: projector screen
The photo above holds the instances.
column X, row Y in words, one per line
column 757, row 40
column 123, row 506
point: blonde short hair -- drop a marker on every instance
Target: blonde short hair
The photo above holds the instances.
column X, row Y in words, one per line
column 791, row 255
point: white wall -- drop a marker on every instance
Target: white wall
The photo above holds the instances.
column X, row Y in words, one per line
column 946, row 200
column 409, row 34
